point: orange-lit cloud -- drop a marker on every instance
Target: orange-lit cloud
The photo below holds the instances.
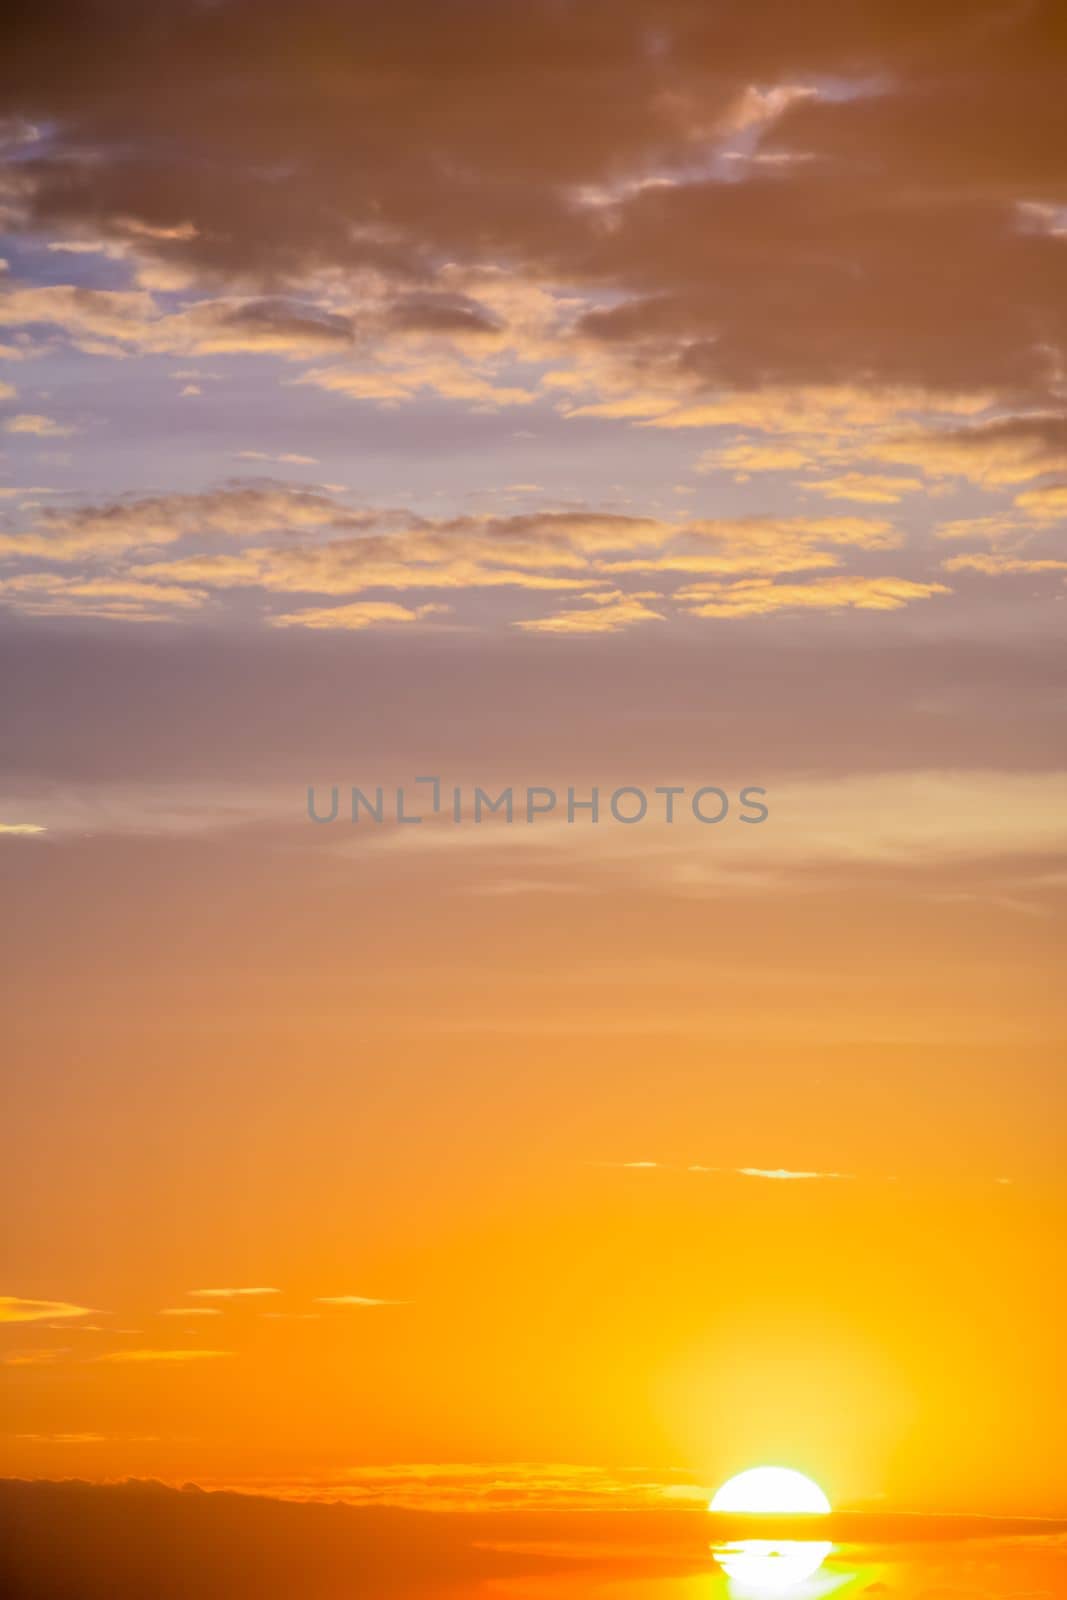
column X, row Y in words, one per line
column 593, row 619
column 164, row 1357
column 360, row 614
column 774, row 1174
column 761, row 597
column 1004, row 565
column 356, row 1300
column 331, row 548
column 231, row 1294
column 1001, row 452
column 38, row 426
column 869, row 487
column 31, row 1358
column 14, row 1309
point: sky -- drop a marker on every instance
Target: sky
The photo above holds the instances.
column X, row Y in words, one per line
column 545, row 397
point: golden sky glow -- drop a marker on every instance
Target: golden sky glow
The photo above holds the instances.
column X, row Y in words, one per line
column 655, row 397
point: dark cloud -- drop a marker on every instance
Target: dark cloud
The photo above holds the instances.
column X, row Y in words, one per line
column 1006, row 450
column 442, row 313
column 867, row 230
column 282, row 321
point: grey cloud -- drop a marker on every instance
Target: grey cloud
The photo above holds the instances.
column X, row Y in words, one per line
column 864, row 237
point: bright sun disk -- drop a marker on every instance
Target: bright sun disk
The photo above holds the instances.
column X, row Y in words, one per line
column 771, row 1489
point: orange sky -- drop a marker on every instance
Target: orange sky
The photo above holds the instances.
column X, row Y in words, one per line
column 361, row 1084
column 664, row 394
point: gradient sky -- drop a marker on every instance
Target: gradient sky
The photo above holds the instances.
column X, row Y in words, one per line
column 558, row 394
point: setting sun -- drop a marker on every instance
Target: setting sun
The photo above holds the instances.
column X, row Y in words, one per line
column 770, row 1489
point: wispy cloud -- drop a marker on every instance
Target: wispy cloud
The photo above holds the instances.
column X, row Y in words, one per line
column 286, row 458
column 356, row 1300
column 780, row 1173
column 594, row 619
column 32, row 1358
column 923, row 820
column 865, row 487
column 475, row 1486
column 42, row 427
column 14, row 1309
column 119, row 598
column 761, row 597
column 230, row 1294
column 776, row 1174
column 173, row 1357
column 339, row 557
column 190, row 1311
column 997, row 566
column 86, row 1327
column 360, row 614
column 63, row 1438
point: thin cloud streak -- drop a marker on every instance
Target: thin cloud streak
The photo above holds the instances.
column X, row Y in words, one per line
column 231, row 1294
column 15, row 1309
column 356, row 1300
column 775, row 1174
column 161, row 1357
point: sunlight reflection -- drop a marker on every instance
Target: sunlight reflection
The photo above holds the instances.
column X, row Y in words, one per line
column 766, row 1566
